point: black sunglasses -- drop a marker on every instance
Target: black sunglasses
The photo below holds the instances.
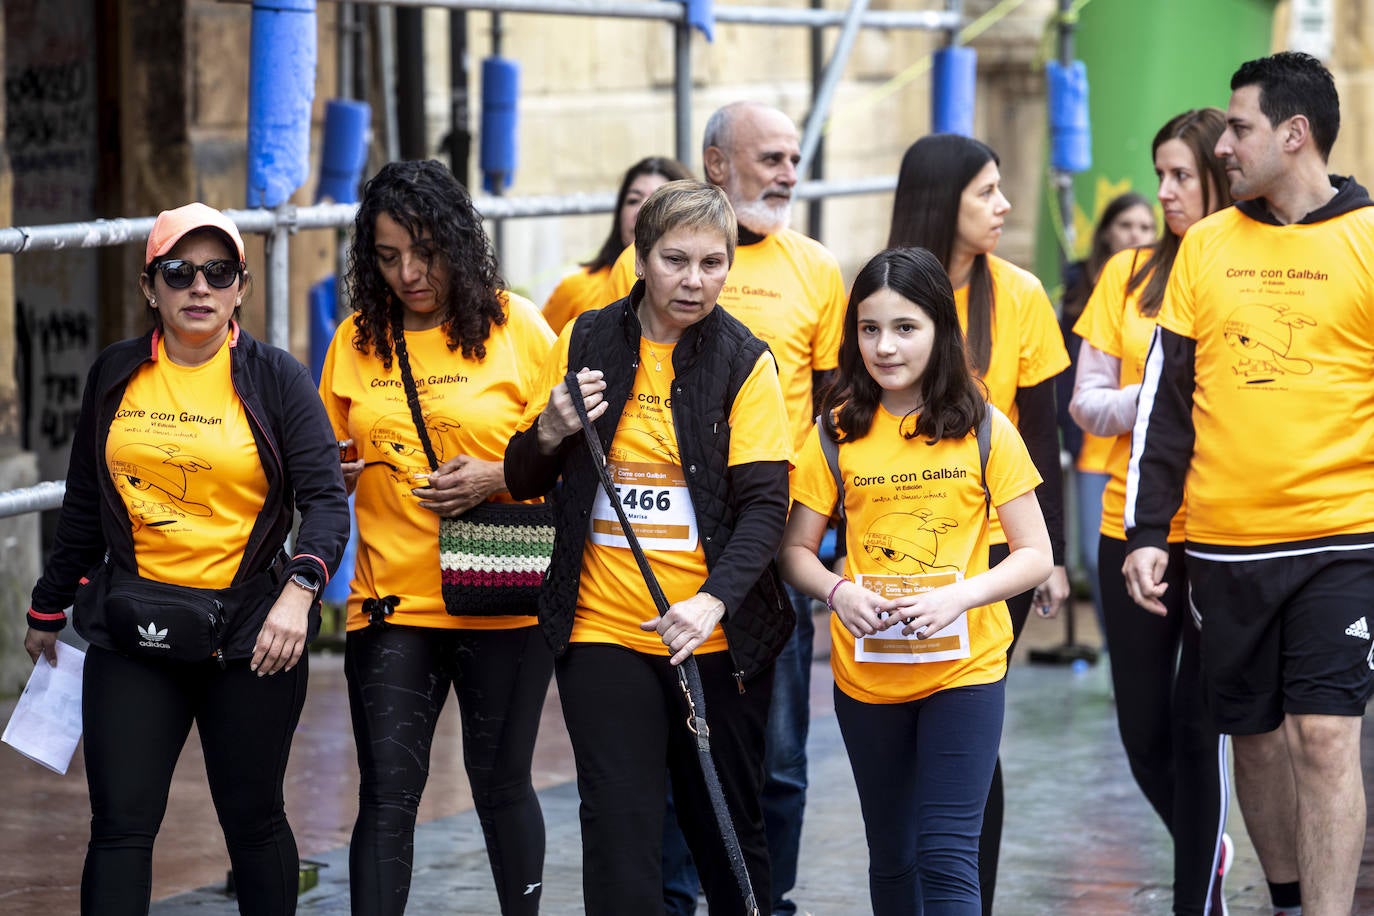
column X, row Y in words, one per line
column 219, row 273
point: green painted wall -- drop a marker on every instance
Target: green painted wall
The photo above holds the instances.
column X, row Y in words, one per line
column 1147, row 61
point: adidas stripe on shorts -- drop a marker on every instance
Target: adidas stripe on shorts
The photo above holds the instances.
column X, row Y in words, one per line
column 1284, row 634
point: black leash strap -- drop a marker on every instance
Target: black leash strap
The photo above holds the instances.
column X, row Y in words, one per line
column 398, row 340
column 688, row 675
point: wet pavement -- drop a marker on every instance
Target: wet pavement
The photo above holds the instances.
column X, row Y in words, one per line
column 1079, row 837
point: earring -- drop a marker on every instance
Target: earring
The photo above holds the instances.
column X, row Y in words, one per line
column 152, row 303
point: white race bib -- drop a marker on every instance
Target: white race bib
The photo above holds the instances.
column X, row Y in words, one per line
column 657, row 503
column 891, row 646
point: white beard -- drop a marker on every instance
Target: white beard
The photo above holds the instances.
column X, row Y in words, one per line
column 764, row 216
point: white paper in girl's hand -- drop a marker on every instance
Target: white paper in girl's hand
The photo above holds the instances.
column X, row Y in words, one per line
column 46, row 723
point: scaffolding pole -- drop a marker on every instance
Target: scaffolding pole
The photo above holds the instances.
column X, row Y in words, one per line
column 933, row 20
column 820, row 105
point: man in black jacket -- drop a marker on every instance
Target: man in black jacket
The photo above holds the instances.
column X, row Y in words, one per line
column 1259, row 374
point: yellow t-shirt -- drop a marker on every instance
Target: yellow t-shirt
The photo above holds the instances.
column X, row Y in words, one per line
column 788, row 291
column 1095, row 455
column 612, row 599
column 470, row 407
column 1111, row 322
column 914, row 508
column 1283, row 408
column 1027, row 346
column 182, row 456
column 578, row 292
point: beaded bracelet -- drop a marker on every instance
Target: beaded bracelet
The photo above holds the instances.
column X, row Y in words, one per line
column 830, row 598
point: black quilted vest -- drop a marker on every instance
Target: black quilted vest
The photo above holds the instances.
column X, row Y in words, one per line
column 711, row 362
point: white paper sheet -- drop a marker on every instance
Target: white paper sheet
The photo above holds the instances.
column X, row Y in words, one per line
column 46, row 723
column 890, row 646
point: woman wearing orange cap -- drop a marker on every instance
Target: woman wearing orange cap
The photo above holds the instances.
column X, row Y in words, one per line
column 195, row 448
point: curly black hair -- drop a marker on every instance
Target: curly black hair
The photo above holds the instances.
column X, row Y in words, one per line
column 426, row 199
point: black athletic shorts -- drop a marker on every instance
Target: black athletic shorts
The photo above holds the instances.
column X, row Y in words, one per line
column 1284, row 634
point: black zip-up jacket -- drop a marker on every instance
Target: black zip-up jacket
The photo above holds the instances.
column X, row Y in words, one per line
column 300, row 459
column 740, row 510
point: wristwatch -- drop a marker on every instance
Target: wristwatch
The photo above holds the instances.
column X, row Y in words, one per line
column 307, row 582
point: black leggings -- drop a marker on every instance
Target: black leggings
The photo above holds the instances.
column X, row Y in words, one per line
column 137, row 716
column 990, row 840
column 398, row 680
column 626, row 718
column 923, row 828
column 1175, row 753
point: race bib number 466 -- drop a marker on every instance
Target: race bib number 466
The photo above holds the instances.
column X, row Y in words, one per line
column 656, row 501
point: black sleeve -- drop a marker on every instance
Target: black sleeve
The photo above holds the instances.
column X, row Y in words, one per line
column 1036, row 423
column 1161, row 442
column 79, row 542
column 1069, row 431
column 311, row 460
column 529, row 473
column 761, row 496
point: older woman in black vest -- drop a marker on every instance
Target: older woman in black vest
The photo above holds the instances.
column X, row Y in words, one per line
column 687, row 405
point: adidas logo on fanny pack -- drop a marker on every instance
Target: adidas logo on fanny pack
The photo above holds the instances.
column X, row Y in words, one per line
column 152, row 637
column 1359, row 629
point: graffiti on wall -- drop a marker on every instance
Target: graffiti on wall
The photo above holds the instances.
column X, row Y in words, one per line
column 51, row 136
column 55, row 348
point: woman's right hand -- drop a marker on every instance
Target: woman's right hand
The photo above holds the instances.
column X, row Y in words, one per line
column 859, row 609
column 351, row 469
column 41, row 642
column 558, row 420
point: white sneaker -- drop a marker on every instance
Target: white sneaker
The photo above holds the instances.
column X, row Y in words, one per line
column 1216, row 899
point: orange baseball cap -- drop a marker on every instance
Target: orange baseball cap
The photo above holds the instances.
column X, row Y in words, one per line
column 172, row 225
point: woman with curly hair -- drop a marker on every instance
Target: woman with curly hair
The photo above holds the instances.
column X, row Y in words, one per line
column 428, row 302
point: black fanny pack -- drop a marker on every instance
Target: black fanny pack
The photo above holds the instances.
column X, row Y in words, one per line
column 161, row 620
column 158, row 620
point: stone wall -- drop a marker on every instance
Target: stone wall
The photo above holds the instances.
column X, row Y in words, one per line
column 1352, row 63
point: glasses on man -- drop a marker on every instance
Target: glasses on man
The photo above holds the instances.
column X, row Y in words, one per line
column 220, row 273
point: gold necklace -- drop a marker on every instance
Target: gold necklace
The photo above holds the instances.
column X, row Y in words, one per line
column 658, row 361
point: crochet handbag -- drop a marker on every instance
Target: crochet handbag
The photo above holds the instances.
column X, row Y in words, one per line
column 493, row 557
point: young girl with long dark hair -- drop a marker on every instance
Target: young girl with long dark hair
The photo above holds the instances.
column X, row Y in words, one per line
column 949, row 200
column 920, row 632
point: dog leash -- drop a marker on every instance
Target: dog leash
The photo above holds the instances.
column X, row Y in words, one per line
column 688, row 675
